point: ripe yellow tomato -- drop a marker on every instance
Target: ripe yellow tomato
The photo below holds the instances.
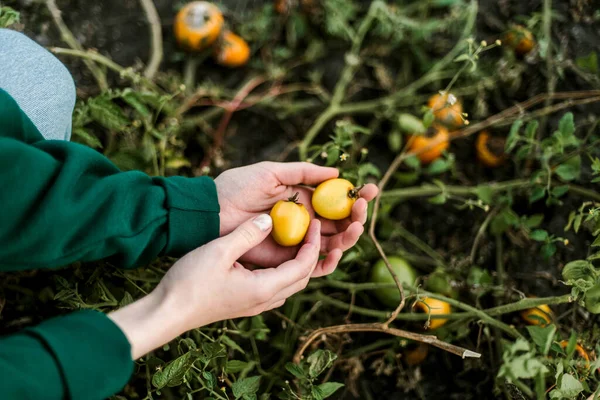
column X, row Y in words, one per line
column 380, row 274
column 435, row 134
column 540, row 315
column 198, row 25
column 432, row 306
column 290, row 221
column 444, row 112
column 232, row 51
column 333, row 199
column 490, row 150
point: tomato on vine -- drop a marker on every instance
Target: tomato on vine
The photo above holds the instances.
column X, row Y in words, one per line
column 431, row 145
column 198, row 25
column 490, row 150
column 290, row 221
column 380, row 274
column 540, row 315
column 232, row 51
column 431, row 306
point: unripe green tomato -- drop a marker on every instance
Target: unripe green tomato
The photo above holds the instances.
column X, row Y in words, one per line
column 380, row 274
column 592, row 299
column 439, row 282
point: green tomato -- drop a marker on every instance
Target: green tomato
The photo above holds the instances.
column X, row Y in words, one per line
column 592, row 299
column 380, row 274
column 439, row 282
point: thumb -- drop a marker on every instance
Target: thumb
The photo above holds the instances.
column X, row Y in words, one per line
column 248, row 235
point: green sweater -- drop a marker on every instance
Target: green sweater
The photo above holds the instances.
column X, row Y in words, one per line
column 63, row 202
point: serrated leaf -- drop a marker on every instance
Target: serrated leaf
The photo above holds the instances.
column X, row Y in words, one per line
column 209, row 378
column 136, row 102
column 172, row 374
column 566, row 125
column 87, row 138
column 107, row 114
column 229, row 342
column 295, row 370
column 329, row 388
column 246, row 386
column 319, row 361
column 234, row 366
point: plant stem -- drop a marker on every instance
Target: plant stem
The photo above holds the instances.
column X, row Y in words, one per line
column 68, row 38
column 156, row 48
column 432, row 190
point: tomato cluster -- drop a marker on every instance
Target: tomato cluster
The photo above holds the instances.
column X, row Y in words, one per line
column 332, row 199
column 199, row 25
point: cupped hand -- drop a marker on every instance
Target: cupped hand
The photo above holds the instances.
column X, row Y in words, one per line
column 249, row 191
column 209, row 285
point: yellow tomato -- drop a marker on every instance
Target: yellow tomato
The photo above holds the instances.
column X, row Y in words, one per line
column 540, row 315
column 333, row 199
column 431, row 306
column 490, row 150
column 435, row 134
column 290, row 221
column 198, row 25
column 445, row 112
column 233, row 51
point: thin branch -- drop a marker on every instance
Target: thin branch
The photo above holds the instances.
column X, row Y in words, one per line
column 68, row 37
column 429, row 339
column 156, row 47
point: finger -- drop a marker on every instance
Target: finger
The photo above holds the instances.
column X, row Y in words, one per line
column 368, row 192
column 296, row 173
column 274, row 280
column 343, row 240
column 359, row 211
column 328, row 265
column 245, row 237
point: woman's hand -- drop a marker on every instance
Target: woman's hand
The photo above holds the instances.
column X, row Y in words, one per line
column 248, row 191
column 209, row 285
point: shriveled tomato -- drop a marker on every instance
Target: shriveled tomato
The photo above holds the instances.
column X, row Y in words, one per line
column 447, row 109
column 290, row 221
column 431, row 306
column 540, row 315
column 333, row 199
column 490, row 150
column 380, row 274
column 232, row 50
column 198, row 25
column 436, row 140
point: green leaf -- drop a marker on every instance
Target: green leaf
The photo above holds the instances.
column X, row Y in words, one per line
column 567, row 387
column 319, row 361
column 539, row 235
column 126, row 300
column 567, row 172
column 542, row 336
column 209, row 378
column 570, row 349
column 259, row 326
column 87, row 138
column 559, row 191
column 587, row 63
column 229, row 342
column 566, row 125
column 412, row 162
column 533, row 221
column 411, row 124
column 428, row 118
column 537, row 193
column 296, row 370
column 531, row 129
column 8, row 17
column 107, row 113
column 246, row 386
column 438, row 199
column 485, row 194
column 172, row 374
column 131, row 97
column 395, row 141
column 234, row 366
column 579, row 269
column 513, row 136
column 548, row 250
column 438, row 166
column 326, row 389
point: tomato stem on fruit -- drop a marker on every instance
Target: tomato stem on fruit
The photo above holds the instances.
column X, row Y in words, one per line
column 294, row 198
column 353, row 193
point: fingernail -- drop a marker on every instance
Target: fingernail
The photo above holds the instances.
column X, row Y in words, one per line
column 263, row 222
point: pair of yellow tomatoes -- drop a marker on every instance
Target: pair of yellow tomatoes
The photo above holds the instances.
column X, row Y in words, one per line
column 332, row 199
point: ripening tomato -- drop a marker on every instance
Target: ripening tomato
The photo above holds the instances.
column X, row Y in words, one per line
column 232, row 50
column 520, row 39
column 333, row 199
column 198, row 25
column 380, row 274
column 540, row 315
column 447, row 109
column 416, row 354
column 290, row 221
column 433, row 306
column 579, row 349
column 490, row 150
column 435, row 134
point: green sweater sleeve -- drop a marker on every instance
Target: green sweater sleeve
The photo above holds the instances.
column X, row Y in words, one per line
column 64, row 202
column 83, row 355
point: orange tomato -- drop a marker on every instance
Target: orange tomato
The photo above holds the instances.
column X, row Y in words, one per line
column 540, row 315
column 435, row 134
column 520, row 39
column 232, row 51
column 579, row 349
column 198, row 25
column 490, row 150
column 416, row 355
column 432, row 306
column 447, row 109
